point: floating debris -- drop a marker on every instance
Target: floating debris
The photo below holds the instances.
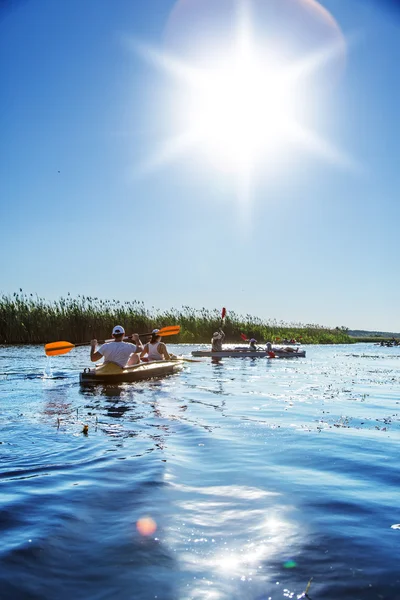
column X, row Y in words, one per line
column 308, row 586
column 305, row 593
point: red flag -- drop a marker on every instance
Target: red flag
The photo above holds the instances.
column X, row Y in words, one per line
column 223, row 314
column 244, row 337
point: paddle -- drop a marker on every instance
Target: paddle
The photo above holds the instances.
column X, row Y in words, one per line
column 58, row 348
column 189, row 360
column 223, row 315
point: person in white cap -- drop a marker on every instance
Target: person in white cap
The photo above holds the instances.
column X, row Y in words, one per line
column 216, row 340
column 155, row 349
column 119, row 352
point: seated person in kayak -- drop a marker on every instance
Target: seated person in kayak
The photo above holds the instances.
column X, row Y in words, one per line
column 216, row 341
column 119, row 352
column 155, row 349
column 268, row 350
column 252, row 345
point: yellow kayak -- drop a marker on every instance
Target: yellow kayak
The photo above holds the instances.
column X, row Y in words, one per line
column 112, row 373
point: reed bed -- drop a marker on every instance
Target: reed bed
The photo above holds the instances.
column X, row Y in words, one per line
column 29, row 319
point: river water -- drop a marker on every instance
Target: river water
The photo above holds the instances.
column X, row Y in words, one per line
column 252, row 476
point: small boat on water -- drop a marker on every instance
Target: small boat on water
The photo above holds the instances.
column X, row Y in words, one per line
column 246, row 353
column 112, row 373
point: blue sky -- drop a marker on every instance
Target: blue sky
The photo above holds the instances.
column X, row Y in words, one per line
column 81, row 110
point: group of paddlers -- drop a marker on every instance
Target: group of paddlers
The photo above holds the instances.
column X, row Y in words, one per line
column 129, row 351
column 218, row 338
column 390, row 343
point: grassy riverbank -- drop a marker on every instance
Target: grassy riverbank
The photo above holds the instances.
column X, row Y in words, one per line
column 28, row 319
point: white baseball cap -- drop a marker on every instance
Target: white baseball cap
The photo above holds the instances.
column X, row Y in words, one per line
column 155, row 331
column 253, row 340
column 118, row 330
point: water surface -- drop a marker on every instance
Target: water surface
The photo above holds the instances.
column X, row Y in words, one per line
column 259, row 474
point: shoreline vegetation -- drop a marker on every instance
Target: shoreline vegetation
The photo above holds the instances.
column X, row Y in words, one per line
column 29, row 319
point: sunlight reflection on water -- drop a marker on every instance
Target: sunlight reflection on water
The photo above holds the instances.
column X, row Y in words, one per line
column 257, row 474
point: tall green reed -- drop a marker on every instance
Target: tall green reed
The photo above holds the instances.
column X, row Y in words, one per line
column 30, row 319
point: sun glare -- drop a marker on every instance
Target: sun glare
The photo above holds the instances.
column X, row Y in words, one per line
column 239, row 112
column 238, row 104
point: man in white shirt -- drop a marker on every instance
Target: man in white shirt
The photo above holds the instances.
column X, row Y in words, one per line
column 118, row 351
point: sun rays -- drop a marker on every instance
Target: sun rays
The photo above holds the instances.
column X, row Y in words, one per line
column 240, row 109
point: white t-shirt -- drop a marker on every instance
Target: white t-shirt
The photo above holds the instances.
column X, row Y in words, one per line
column 117, row 352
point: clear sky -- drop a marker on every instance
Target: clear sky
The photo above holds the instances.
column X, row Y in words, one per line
column 88, row 207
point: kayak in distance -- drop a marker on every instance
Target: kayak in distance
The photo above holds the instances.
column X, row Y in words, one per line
column 112, row 373
column 245, row 353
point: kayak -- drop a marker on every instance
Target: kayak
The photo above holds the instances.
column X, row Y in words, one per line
column 112, row 373
column 237, row 353
column 249, row 354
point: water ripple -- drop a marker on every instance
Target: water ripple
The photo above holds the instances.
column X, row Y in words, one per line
column 256, row 475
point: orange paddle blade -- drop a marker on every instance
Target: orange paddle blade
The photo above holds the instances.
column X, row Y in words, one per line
column 56, row 348
column 171, row 330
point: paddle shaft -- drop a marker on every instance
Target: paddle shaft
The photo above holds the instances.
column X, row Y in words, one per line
column 55, row 348
column 105, row 341
column 127, row 337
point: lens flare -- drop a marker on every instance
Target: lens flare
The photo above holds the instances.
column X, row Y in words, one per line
column 146, row 526
column 298, row 28
column 290, row 564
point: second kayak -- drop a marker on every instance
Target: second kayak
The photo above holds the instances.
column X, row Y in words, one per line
column 234, row 353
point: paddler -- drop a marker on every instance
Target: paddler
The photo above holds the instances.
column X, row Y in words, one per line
column 155, row 349
column 216, row 340
column 252, row 345
column 119, row 352
column 269, row 350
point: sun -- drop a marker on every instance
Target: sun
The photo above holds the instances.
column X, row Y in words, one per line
column 240, row 110
column 239, row 100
